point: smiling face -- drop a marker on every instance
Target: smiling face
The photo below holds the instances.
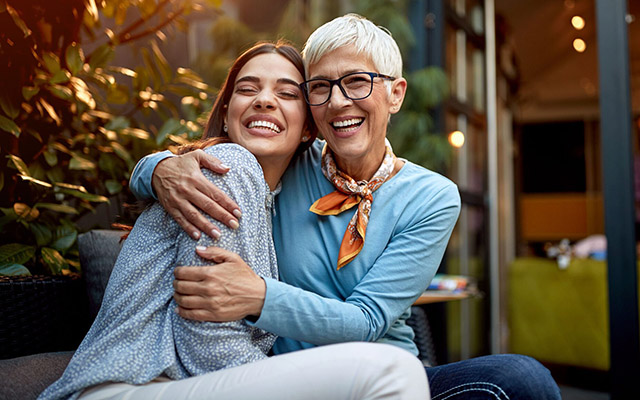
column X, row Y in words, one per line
column 266, row 112
column 355, row 129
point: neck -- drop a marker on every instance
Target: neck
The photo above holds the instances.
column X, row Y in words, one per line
column 273, row 170
column 361, row 170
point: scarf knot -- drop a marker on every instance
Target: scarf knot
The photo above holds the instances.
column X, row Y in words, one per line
column 348, row 194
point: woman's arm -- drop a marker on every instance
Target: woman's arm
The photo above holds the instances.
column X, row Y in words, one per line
column 393, row 283
column 179, row 185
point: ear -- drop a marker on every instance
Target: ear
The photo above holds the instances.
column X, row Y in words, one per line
column 398, row 91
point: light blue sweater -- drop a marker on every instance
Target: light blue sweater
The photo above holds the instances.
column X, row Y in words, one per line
column 411, row 221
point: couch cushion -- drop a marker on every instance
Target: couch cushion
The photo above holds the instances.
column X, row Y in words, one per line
column 99, row 250
column 26, row 377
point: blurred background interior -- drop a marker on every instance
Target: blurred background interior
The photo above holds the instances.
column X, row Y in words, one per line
column 519, row 133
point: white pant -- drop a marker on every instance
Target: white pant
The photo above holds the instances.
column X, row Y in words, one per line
column 340, row 371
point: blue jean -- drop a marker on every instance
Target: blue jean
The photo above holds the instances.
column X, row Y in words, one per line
column 500, row 376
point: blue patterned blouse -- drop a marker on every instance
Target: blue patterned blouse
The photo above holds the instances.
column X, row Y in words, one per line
column 137, row 335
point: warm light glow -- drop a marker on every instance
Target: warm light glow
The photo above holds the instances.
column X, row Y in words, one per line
column 456, row 139
column 579, row 45
column 577, row 22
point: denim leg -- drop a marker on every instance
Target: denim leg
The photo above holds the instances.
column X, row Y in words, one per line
column 500, row 376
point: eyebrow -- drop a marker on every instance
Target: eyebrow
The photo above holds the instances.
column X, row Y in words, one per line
column 350, row 71
column 255, row 79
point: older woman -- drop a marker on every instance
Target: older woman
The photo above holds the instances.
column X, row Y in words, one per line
column 139, row 348
column 359, row 233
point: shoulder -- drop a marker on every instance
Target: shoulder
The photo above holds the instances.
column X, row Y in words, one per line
column 239, row 160
column 427, row 183
column 232, row 154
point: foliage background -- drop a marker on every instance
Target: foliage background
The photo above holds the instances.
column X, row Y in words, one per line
column 73, row 120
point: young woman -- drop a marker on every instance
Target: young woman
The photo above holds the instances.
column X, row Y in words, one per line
column 139, row 347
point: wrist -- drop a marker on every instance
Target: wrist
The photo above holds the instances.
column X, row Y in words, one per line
column 257, row 298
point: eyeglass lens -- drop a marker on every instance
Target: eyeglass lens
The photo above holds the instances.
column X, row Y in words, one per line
column 354, row 86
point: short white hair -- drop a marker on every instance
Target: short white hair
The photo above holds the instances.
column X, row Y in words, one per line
column 375, row 42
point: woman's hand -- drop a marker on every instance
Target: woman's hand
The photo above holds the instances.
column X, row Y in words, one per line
column 227, row 291
column 183, row 191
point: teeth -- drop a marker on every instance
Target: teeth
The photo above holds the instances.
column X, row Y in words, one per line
column 264, row 124
column 348, row 122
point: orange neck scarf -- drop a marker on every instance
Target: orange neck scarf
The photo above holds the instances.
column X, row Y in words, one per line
column 349, row 193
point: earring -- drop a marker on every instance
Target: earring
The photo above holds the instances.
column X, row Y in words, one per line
column 305, row 138
column 225, row 128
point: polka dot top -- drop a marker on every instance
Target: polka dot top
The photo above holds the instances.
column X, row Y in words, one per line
column 137, row 335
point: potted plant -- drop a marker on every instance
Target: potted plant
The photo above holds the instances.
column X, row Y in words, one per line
column 72, row 126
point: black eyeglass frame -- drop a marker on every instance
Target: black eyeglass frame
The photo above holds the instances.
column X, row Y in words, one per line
column 334, row 82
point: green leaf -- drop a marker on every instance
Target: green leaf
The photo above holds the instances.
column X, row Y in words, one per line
column 25, row 212
column 41, row 232
column 118, row 94
column 75, row 58
column 18, row 21
column 62, row 76
column 113, row 186
column 51, row 157
column 64, row 188
column 170, row 127
column 34, row 180
column 57, row 208
column 124, row 71
column 19, row 164
column 161, row 62
column 16, row 253
column 100, row 56
column 136, row 132
column 14, row 270
column 51, row 62
column 151, row 68
column 122, row 152
column 80, row 163
column 65, row 237
column 9, row 106
column 8, row 125
column 61, row 92
column 29, row 91
column 53, row 259
column 117, row 123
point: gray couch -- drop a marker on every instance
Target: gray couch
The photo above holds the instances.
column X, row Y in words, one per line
column 25, row 377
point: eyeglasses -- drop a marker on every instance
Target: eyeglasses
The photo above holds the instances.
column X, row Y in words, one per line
column 354, row 86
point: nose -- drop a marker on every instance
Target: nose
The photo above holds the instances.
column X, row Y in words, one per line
column 265, row 100
column 337, row 99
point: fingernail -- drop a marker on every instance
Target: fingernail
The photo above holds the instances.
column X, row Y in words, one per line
column 215, row 234
column 195, row 235
column 201, row 248
column 234, row 224
column 225, row 166
column 237, row 213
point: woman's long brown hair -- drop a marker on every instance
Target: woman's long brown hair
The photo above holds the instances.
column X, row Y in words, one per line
column 213, row 132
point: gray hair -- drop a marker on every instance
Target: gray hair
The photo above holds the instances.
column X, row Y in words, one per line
column 373, row 41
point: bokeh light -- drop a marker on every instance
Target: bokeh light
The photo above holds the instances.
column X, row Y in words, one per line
column 579, row 45
column 456, row 139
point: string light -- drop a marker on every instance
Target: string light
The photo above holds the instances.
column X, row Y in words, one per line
column 579, row 45
column 577, row 22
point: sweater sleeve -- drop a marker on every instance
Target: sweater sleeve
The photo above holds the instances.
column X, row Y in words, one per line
column 140, row 181
column 389, row 288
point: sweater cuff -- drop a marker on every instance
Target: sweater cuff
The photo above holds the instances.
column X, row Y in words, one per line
column 273, row 287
